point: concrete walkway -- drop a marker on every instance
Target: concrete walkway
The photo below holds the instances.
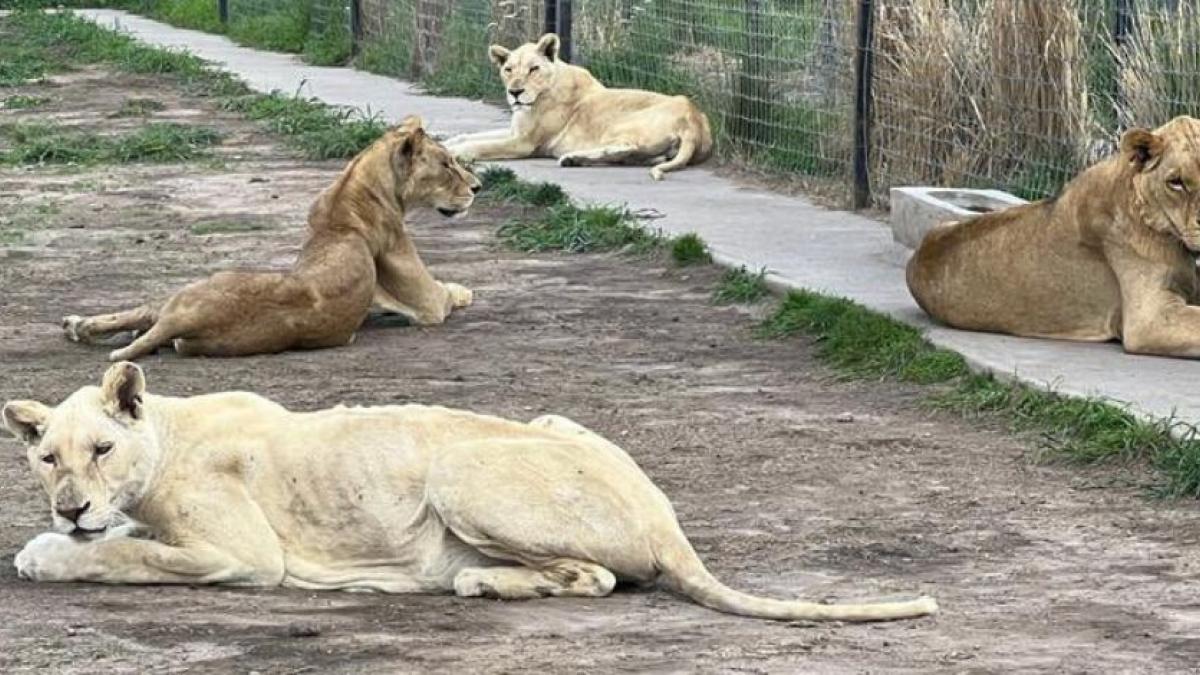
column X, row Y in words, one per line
column 802, row 245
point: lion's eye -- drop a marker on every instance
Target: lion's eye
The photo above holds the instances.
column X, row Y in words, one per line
column 49, row 459
column 1177, row 184
column 103, row 448
column 508, row 69
column 534, row 69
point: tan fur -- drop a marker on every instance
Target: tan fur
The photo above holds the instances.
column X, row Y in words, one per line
column 234, row 489
column 1112, row 257
column 357, row 253
column 561, row 111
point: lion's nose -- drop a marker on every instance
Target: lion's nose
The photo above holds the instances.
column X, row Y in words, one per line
column 515, row 92
column 476, row 188
column 73, row 514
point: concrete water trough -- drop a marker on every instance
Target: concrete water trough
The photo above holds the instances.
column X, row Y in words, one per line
column 915, row 210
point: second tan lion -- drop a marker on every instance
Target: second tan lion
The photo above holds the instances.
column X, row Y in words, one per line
column 1112, row 257
column 562, row 111
column 357, row 253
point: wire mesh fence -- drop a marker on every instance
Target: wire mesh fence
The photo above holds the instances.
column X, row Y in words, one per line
column 1015, row 94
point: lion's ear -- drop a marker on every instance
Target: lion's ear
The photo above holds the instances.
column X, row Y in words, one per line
column 122, row 389
column 499, row 55
column 1142, row 148
column 412, row 123
column 548, row 46
column 26, row 420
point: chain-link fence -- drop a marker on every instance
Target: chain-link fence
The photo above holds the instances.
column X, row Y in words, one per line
column 1016, row 94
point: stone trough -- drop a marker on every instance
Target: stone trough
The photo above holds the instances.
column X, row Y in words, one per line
column 915, row 210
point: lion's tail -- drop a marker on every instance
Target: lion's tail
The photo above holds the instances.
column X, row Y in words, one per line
column 695, row 144
column 683, row 571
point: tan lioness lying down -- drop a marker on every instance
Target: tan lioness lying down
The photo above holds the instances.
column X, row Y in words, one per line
column 357, row 253
column 1112, row 257
column 561, row 111
column 234, row 489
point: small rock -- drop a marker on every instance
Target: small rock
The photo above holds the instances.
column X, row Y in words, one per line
column 303, row 630
column 259, row 179
column 845, row 418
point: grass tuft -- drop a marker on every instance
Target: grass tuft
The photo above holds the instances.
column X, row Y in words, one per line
column 22, row 102
column 54, row 42
column 740, row 286
column 502, row 184
column 690, row 249
column 560, row 225
column 863, row 343
column 51, row 144
column 139, row 107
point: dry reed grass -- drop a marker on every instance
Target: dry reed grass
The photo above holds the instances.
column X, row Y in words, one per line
column 970, row 94
column 1160, row 65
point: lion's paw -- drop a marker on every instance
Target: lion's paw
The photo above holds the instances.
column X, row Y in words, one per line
column 657, row 173
column 70, row 325
column 473, row 583
column 460, row 296
column 47, row 557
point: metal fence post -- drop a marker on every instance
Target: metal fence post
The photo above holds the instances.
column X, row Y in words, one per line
column 862, row 103
column 563, row 29
column 223, row 10
column 752, row 97
column 1121, row 22
column 550, row 16
column 356, row 30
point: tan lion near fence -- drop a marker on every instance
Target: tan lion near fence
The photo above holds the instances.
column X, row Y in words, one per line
column 357, row 253
column 234, row 489
column 1112, row 257
column 562, row 111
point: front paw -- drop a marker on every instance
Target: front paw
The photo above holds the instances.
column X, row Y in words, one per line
column 46, row 557
column 460, row 296
column 70, row 325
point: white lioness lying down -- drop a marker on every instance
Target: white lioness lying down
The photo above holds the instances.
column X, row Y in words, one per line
column 233, row 489
column 562, row 111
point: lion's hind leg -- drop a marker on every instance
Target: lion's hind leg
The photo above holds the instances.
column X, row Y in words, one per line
column 562, row 578
column 607, row 154
column 92, row 328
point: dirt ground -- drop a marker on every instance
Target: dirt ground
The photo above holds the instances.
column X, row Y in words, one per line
column 790, row 482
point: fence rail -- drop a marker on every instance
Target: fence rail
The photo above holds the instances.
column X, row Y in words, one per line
column 857, row 95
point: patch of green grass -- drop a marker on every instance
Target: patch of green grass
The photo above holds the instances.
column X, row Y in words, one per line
column 741, row 286
column 558, row 224
column 502, row 184
column 8, row 237
column 194, row 14
column 52, row 144
column 331, row 47
column 690, row 249
column 863, row 343
column 139, row 107
column 282, row 31
column 575, row 229
column 318, row 130
column 226, row 227
column 23, row 102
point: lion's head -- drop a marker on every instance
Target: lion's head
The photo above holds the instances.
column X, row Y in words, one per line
column 527, row 71
column 94, row 453
column 1166, row 179
column 426, row 173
